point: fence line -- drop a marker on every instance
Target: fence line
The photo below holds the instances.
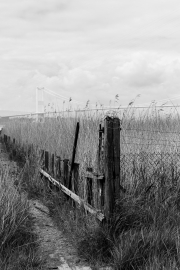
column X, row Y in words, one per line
column 148, row 139
column 75, row 197
column 156, row 144
column 88, row 110
column 155, row 131
column 102, row 187
column 115, row 169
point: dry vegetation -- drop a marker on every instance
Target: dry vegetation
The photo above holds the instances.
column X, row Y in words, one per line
column 144, row 231
column 18, row 243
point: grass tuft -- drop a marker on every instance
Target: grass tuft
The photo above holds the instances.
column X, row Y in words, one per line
column 144, row 230
column 18, row 242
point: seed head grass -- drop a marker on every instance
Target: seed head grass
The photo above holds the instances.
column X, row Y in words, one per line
column 143, row 232
column 18, row 242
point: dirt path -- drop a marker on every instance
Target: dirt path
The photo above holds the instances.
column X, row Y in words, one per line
column 54, row 246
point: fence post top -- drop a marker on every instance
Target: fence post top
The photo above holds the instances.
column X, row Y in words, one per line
column 110, row 118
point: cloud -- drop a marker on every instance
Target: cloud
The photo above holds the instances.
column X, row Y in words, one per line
column 32, row 10
column 150, row 75
column 143, row 70
column 88, row 49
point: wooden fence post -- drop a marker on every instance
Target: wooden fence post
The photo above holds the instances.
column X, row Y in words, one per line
column 52, row 165
column 14, row 148
column 73, row 156
column 46, row 161
column 116, row 144
column 5, row 138
column 8, row 142
column 47, row 167
column 101, row 192
column 42, row 158
column 100, row 148
column 111, row 163
column 58, row 168
column 66, row 172
column 90, row 187
column 75, row 177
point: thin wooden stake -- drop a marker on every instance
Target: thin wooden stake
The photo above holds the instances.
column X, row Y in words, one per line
column 75, row 177
column 66, row 172
column 46, row 161
column 89, row 187
column 58, row 167
column 52, row 165
column 73, row 155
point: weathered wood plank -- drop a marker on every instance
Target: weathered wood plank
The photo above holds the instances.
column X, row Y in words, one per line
column 94, row 175
column 75, row 197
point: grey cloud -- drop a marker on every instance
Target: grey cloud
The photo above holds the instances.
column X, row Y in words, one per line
column 38, row 10
column 142, row 71
column 78, row 47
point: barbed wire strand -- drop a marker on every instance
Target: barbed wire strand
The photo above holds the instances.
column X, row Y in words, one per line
column 156, row 131
column 149, row 139
column 124, row 143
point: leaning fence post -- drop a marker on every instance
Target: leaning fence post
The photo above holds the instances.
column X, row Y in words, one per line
column 111, row 163
column 73, row 156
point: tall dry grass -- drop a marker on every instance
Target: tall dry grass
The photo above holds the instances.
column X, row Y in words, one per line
column 18, row 242
column 144, row 232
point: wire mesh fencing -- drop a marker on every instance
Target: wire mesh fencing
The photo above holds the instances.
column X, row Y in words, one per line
column 149, row 158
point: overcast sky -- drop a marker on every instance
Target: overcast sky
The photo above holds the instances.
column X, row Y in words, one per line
column 89, row 50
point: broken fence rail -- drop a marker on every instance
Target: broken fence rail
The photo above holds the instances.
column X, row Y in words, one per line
column 75, row 197
column 108, row 182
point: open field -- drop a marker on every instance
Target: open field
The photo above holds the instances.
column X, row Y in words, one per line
column 144, row 232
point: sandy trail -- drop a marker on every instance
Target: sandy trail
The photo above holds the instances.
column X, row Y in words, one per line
column 54, row 246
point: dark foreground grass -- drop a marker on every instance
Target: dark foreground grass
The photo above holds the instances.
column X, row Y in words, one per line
column 18, row 242
column 143, row 233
